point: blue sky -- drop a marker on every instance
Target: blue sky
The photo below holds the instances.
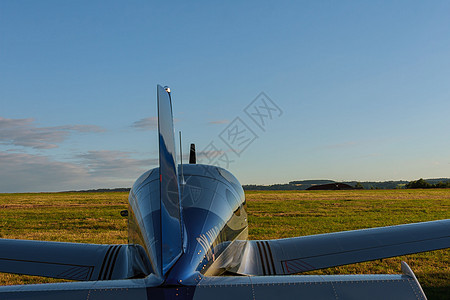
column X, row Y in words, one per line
column 362, row 89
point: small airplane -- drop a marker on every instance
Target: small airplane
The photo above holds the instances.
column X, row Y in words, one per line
column 187, row 226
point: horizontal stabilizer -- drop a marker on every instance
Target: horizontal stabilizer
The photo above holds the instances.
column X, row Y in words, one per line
column 306, row 253
column 73, row 261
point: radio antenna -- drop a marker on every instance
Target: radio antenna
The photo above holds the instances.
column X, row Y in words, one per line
column 181, row 162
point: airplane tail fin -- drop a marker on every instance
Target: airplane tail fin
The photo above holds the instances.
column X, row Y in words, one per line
column 171, row 225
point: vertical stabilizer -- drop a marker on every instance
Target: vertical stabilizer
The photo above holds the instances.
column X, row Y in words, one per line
column 171, row 229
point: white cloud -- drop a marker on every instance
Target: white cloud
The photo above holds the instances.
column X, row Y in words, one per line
column 218, row 122
column 21, row 172
column 111, row 163
column 22, row 132
column 150, row 123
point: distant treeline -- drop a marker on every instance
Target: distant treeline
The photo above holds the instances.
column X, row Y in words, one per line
column 304, row 184
column 367, row 185
column 424, row 184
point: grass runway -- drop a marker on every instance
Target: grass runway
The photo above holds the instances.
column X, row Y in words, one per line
column 94, row 218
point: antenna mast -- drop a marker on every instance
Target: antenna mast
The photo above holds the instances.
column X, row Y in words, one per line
column 181, row 162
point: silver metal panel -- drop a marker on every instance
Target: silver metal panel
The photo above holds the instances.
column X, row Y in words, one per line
column 92, row 290
column 228, row 288
column 310, row 287
column 144, row 221
column 211, row 223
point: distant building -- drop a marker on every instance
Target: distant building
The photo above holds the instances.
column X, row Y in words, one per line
column 331, row 186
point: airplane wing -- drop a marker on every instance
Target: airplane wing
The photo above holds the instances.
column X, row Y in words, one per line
column 306, row 253
column 333, row 287
column 64, row 260
column 92, row 290
column 397, row 287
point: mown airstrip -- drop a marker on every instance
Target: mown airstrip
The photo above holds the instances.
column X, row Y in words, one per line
column 95, row 218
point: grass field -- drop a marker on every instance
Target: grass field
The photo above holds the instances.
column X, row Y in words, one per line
column 94, row 218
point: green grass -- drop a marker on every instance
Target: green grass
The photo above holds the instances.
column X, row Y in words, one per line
column 280, row 214
column 94, row 218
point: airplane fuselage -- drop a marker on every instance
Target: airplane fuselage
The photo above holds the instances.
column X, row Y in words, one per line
column 213, row 217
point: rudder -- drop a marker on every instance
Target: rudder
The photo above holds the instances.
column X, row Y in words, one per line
column 171, row 227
